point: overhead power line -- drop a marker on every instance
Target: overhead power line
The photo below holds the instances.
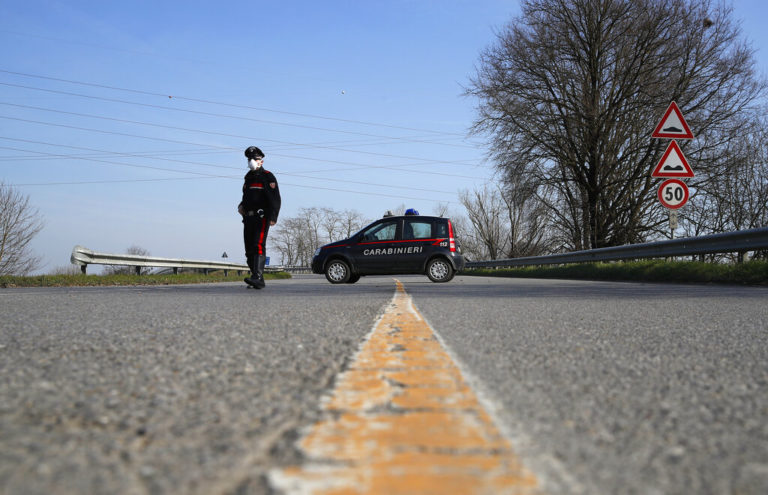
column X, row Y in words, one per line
column 227, row 148
column 232, row 105
column 365, row 193
column 188, row 172
column 111, row 162
column 235, row 117
column 212, row 133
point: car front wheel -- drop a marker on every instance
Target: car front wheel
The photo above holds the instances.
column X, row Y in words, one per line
column 439, row 270
column 337, row 272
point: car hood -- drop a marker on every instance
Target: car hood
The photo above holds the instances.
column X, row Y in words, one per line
column 342, row 242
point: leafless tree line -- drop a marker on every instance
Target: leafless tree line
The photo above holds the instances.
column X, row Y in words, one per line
column 572, row 89
column 296, row 238
column 504, row 223
column 515, row 220
column 738, row 199
column 19, row 223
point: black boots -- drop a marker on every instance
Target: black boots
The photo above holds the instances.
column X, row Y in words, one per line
column 262, row 260
column 256, row 280
column 248, row 280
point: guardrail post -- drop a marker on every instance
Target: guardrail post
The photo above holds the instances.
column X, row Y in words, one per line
column 175, row 270
column 138, row 270
column 83, row 268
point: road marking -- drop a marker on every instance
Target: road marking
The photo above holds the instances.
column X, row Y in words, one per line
column 402, row 419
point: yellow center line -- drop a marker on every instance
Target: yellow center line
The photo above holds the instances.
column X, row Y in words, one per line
column 402, row 420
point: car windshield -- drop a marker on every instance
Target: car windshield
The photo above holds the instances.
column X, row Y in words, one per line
column 360, row 232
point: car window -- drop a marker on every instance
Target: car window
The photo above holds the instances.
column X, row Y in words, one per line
column 381, row 232
column 417, row 229
column 441, row 230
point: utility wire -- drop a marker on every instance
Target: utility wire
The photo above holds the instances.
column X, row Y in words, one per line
column 58, row 155
column 212, row 102
column 227, row 148
column 236, row 117
column 139, row 154
column 198, row 131
column 283, row 183
column 133, row 165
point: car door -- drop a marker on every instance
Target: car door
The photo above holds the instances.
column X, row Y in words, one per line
column 416, row 242
column 375, row 247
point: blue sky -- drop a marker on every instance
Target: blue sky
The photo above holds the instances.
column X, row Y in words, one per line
column 125, row 122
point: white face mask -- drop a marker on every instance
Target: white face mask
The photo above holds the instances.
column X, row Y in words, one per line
column 254, row 164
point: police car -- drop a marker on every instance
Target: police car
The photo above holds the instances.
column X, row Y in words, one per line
column 393, row 245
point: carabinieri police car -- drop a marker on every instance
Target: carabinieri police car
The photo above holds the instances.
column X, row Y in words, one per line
column 393, row 245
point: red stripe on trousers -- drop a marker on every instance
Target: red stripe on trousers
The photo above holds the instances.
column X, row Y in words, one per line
column 261, row 236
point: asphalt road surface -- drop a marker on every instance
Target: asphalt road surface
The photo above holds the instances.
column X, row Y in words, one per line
column 601, row 387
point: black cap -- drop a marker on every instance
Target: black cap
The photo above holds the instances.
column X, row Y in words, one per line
column 253, row 152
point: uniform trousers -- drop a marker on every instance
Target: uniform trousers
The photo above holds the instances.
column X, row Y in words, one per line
column 255, row 232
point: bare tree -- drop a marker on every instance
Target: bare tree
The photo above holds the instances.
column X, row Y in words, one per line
column 350, row 222
column 297, row 238
column 742, row 192
column 471, row 247
column 485, row 209
column 507, row 224
column 313, row 220
column 19, row 224
column 330, row 223
column 288, row 238
column 738, row 199
column 528, row 221
column 440, row 210
column 570, row 91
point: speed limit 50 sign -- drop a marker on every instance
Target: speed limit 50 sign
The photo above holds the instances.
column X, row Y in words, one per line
column 673, row 193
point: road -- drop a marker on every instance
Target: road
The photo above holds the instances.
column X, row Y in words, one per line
column 599, row 387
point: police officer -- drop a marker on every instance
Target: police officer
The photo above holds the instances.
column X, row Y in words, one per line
column 259, row 208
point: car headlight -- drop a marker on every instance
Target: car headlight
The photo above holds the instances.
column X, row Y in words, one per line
column 317, row 251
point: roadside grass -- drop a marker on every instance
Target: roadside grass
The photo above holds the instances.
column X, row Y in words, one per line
column 70, row 280
column 749, row 273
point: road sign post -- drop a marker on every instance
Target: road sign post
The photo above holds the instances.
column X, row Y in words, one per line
column 673, row 193
column 672, row 221
column 672, row 226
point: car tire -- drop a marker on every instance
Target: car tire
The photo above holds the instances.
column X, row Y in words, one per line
column 353, row 279
column 440, row 270
column 338, row 272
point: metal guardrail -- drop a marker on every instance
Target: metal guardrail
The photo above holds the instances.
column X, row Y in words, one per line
column 730, row 242
column 84, row 257
column 296, row 268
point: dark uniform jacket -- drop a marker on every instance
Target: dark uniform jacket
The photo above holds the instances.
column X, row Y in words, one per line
column 260, row 192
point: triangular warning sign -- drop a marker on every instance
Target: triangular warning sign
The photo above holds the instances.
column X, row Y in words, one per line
column 673, row 163
column 673, row 125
